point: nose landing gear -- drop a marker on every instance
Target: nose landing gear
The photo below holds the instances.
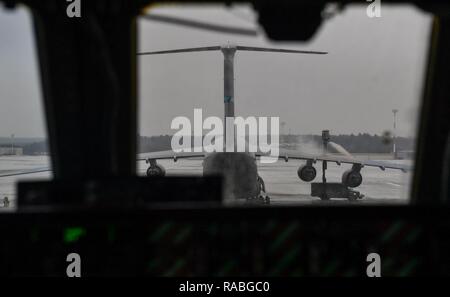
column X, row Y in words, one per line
column 262, row 197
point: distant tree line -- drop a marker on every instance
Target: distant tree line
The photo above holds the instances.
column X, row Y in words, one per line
column 354, row 143
column 154, row 143
column 359, row 143
column 35, row 148
column 157, row 143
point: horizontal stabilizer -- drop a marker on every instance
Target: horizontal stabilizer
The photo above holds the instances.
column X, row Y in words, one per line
column 238, row 48
column 183, row 50
column 277, row 50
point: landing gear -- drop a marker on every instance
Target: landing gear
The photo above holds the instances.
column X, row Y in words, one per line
column 262, row 197
column 5, row 202
column 261, row 184
column 262, row 191
column 266, row 200
column 155, row 169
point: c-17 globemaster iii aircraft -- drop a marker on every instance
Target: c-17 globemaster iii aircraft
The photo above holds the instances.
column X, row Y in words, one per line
column 239, row 169
column 241, row 179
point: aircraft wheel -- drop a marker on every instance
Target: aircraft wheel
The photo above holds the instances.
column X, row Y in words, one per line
column 352, row 197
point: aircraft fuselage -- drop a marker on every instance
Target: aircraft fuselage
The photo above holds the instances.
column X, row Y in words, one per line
column 239, row 172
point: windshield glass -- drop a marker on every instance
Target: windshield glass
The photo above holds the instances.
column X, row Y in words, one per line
column 365, row 91
column 23, row 144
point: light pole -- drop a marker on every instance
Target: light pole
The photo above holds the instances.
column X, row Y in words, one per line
column 394, row 150
column 12, row 144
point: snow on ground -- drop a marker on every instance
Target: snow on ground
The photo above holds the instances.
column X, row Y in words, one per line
column 282, row 182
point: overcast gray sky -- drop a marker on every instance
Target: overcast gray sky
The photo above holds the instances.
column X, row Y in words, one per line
column 373, row 66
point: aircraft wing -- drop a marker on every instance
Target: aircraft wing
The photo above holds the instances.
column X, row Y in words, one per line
column 160, row 155
column 389, row 165
column 284, row 154
column 6, row 173
column 140, row 157
column 292, row 154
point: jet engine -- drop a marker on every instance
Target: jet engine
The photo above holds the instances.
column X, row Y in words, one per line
column 352, row 178
column 155, row 169
column 307, row 173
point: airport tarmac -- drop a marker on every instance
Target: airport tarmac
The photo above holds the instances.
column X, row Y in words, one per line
column 281, row 180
